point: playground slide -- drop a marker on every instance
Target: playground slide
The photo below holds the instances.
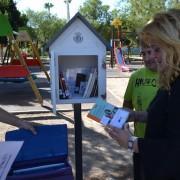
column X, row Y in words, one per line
column 120, row 60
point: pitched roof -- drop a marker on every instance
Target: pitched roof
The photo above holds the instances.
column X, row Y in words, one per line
column 79, row 16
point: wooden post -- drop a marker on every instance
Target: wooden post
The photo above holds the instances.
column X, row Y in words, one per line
column 23, row 36
column 78, row 141
column 39, row 60
column 29, row 77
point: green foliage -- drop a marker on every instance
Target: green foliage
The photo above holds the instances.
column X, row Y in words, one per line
column 15, row 18
column 42, row 26
column 139, row 12
column 136, row 13
column 98, row 15
column 3, row 6
column 133, row 14
column 143, row 10
column 173, row 4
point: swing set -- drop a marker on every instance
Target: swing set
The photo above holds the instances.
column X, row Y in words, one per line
column 24, row 37
column 19, row 70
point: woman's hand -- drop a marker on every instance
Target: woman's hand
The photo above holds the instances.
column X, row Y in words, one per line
column 120, row 135
column 28, row 126
column 123, row 137
column 10, row 119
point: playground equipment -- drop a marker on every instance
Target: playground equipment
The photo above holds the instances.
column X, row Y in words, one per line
column 116, row 44
column 23, row 36
column 120, row 59
column 117, row 54
column 15, row 71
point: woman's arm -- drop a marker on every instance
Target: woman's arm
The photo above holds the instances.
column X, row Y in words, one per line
column 127, row 104
column 137, row 116
column 10, row 119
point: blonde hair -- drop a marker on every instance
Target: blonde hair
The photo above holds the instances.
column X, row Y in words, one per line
column 165, row 30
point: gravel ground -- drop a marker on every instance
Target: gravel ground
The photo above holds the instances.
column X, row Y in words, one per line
column 101, row 154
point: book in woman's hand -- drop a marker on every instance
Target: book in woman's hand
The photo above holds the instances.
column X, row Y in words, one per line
column 108, row 114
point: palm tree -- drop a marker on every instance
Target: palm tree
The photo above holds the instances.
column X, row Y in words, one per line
column 68, row 12
column 48, row 6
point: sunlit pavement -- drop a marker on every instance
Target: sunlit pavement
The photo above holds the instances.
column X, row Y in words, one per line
column 100, row 153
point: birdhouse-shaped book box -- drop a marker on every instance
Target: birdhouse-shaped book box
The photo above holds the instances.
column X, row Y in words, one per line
column 77, row 56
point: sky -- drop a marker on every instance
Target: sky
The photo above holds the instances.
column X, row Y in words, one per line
column 59, row 7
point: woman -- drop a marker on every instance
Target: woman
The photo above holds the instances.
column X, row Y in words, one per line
column 160, row 148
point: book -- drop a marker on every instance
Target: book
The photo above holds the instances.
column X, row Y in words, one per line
column 82, row 87
column 80, row 77
column 63, row 88
column 8, row 153
column 61, row 91
column 94, row 92
column 90, row 84
column 108, row 114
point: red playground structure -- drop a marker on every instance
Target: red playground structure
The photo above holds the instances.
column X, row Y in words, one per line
column 9, row 71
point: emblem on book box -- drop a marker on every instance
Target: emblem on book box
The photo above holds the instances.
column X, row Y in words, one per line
column 78, row 38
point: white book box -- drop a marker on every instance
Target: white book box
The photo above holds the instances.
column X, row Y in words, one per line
column 77, row 53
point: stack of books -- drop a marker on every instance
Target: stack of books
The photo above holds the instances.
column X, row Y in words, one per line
column 84, row 84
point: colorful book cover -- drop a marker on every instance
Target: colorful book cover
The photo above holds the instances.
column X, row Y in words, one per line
column 108, row 114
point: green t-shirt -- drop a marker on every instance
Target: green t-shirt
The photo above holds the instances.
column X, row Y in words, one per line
column 141, row 89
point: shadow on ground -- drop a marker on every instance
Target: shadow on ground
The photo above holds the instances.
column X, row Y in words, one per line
column 101, row 154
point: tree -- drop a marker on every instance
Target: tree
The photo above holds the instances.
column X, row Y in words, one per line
column 3, row 6
column 94, row 11
column 15, row 18
column 135, row 14
column 48, row 6
column 141, row 11
column 174, row 4
column 42, row 26
column 98, row 15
